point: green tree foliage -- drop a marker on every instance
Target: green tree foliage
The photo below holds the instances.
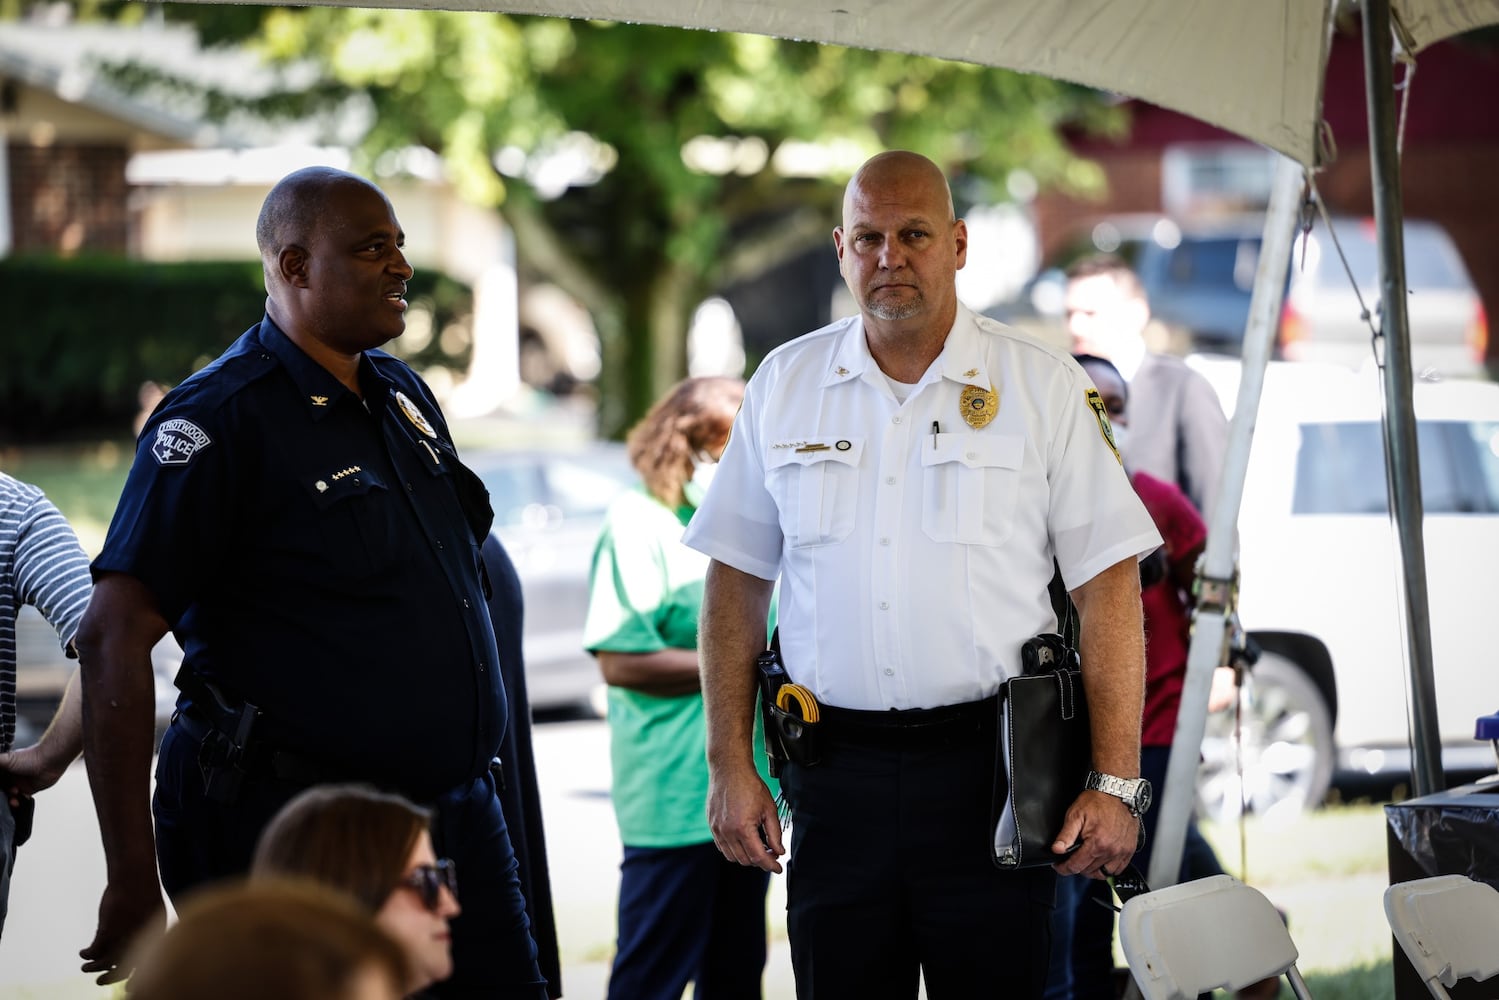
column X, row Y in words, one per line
column 683, row 134
column 96, row 328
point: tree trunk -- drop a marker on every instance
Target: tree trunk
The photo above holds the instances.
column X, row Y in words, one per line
column 644, row 345
column 615, row 374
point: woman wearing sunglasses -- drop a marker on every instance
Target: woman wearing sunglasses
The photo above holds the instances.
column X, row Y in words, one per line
column 377, row 848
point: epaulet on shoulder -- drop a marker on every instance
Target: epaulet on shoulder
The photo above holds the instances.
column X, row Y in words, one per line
column 244, row 363
column 393, row 368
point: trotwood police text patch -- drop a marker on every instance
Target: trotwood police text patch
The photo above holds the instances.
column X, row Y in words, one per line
column 177, row 441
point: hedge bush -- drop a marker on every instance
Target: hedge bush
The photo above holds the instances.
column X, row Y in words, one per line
column 85, row 333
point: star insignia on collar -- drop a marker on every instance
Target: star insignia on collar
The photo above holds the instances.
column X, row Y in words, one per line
column 971, row 373
column 840, row 370
column 319, row 400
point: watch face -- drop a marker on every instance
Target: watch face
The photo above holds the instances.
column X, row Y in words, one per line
column 1143, row 796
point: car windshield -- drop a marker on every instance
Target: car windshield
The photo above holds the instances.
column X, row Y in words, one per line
column 1340, row 468
column 1430, row 261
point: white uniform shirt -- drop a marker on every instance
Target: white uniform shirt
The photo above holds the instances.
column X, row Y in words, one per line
column 913, row 549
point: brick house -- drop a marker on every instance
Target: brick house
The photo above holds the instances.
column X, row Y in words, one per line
column 68, row 137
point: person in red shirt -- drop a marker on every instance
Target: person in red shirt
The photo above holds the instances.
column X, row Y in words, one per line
column 1166, row 580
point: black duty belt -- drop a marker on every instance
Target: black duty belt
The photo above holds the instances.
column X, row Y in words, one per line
column 949, row 724
column 260, row 759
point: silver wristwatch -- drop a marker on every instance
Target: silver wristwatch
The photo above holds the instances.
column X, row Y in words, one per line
column 1135, row 792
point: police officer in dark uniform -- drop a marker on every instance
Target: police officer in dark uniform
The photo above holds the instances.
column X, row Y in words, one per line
column 298, row 516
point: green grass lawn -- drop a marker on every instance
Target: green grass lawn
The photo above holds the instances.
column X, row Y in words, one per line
column 1328, row 871
column 84, row 481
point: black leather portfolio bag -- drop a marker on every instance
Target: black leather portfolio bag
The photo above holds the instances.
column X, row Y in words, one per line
column 1044, row 753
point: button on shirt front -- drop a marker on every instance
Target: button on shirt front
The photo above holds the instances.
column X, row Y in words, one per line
column 917, row 592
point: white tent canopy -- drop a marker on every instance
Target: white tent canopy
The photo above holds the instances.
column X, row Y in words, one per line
column 1253, row 67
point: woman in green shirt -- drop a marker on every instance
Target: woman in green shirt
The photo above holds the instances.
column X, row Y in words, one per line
column 685, row 913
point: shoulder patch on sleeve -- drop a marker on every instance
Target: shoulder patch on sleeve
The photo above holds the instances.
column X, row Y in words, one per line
column 177, row 441
column 1101, row 413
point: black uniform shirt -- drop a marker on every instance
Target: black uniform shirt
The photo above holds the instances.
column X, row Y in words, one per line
column 318, row 556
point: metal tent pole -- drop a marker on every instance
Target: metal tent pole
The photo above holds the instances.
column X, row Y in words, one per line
column 1218, row 577
column 1402, row 465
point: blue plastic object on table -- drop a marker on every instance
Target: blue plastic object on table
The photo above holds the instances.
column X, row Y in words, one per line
column 1487, row 727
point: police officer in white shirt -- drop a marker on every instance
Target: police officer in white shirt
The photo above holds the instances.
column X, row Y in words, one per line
column 909, row 474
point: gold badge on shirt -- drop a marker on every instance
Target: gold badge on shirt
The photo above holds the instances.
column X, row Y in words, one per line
column 1101, row 412
column 414, row 415
column 978, row 405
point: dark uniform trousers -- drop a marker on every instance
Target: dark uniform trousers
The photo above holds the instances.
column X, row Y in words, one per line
column 891, row 876
column 200, row 841
column 688, row 915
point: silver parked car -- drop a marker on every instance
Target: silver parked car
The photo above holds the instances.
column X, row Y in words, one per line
column 1320, row 319
column 549, row 506
column 1198, row 276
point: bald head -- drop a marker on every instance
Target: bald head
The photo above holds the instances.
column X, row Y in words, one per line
column 335, row 267
column 296, row 208
column 898, row 170
column 899, row 250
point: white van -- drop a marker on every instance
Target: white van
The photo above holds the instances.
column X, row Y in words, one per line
column 1320, row 584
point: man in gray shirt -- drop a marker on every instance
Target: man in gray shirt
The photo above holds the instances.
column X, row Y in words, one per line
column 1177, row 430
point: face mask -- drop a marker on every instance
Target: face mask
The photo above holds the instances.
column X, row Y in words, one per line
column 702, row 474
column 1121, row 437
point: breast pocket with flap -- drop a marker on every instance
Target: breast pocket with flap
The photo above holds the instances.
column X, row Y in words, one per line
column 816, row 489
column 969, row 487
column 352, row 532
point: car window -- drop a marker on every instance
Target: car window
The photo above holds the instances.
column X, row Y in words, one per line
column 1483, row 444
column 1214, row 263
column 1340, row 469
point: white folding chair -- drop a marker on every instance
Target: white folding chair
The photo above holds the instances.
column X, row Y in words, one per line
column 1212, row 933
column 1448, row 926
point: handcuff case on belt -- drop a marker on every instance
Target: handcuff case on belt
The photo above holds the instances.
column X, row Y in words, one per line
column 790, row 714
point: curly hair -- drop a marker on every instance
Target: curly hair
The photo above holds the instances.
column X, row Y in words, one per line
column 693, row 417
column 350, row 837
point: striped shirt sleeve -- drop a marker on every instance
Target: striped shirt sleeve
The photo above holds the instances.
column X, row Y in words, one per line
column 51, row 568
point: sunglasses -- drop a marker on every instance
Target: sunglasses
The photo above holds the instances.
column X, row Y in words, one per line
column 428, row 882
